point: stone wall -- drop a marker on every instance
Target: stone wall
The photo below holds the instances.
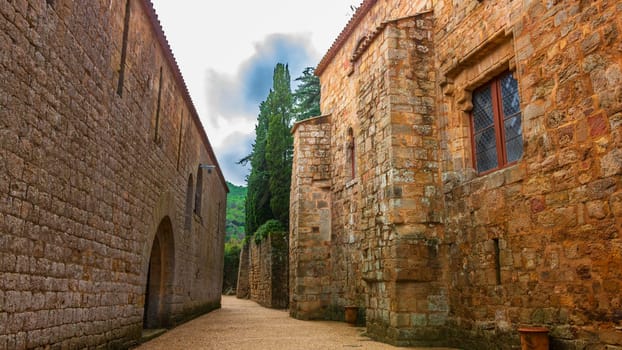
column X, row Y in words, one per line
column 310, row 220
column 434, row 252
column 99, row 162
column 242, row 289
column 553, row 214
column 263, row 275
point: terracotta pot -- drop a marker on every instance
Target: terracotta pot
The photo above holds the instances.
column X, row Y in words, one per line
column 534, row 338
column 351, row 314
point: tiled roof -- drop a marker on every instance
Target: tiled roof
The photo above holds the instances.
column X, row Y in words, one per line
column 360, row 13
column 168, row 54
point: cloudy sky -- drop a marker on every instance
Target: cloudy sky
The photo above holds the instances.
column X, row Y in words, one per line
column 227, row 52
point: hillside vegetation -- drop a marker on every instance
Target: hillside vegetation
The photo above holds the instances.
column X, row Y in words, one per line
column 235, row 212
column 234, row 238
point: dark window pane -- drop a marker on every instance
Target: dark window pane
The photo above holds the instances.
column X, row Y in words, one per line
column 485, row 140
column 513, row 127
column 514, row 149
column 487, row 160
column 482, row 109
column 513, row 138
column 509, row 92
column 486, row 150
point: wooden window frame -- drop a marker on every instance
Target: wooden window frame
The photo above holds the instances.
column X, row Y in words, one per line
column 498, row 122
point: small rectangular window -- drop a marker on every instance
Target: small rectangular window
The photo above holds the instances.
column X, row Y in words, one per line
column 181, row 127
column 351, row 155
column 126, row 30
column 156, row 136
column 495, row 242
column 496, row 124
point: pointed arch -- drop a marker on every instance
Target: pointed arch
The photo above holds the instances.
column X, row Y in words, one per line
column 160, row 277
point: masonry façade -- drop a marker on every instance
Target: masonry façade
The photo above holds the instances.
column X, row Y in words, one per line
column 465, row 178
column 112, row 204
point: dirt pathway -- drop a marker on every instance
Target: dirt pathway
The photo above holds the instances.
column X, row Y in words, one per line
column 242, row 324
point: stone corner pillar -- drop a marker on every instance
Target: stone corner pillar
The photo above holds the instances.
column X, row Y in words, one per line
column 310, row 220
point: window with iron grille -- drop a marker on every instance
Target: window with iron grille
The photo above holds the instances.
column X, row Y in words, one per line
column 496, row 124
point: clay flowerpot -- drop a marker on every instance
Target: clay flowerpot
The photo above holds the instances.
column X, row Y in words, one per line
column 351, row 313
column 534, row 338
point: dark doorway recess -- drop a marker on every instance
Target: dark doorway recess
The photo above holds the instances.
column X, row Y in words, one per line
column 160, row 276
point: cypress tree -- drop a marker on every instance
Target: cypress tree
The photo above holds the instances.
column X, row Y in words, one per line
column 307, row 95
column 258, row 194
column 279, row 143
column 269, row 181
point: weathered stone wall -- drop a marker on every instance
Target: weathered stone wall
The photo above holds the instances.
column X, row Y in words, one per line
column 310, row 220
column 264, row 271
column 242, row 289
column 88, row 186
column 554, row 212
column 416, row 233
column 279, row 241
column 259, row 273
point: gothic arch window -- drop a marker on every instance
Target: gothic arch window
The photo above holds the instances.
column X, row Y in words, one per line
column 198, row 193
column 188, row 210
column 350, row 155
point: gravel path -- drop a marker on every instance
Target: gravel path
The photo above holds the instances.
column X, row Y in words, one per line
column 243, row 324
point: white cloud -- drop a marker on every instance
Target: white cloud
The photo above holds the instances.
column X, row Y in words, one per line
column 229, row 95
column 219, row 46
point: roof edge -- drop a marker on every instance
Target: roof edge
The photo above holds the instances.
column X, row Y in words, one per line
column 358, row 16
column 309, row 120
column 179, row 79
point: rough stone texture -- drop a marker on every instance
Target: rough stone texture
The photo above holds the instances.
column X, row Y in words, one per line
column 414, row 231
column 87, row 189
column 242, row 289
column 264, row 273
column 310, row 215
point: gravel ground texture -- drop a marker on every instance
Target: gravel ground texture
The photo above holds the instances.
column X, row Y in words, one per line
column 243, row 324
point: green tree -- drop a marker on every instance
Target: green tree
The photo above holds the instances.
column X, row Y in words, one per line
column 279, row 143
column 258, row 193
column 307, row 95
column 267, row 194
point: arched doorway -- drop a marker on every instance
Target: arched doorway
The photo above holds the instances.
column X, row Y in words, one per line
column 158, row 289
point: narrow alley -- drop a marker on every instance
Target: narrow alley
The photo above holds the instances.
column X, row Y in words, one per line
column 243, row 324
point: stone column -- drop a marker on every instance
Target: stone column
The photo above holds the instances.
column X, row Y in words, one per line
column 408, row 302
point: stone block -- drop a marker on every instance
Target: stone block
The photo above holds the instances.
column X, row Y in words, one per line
column 611, row 163
column 419, row 320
